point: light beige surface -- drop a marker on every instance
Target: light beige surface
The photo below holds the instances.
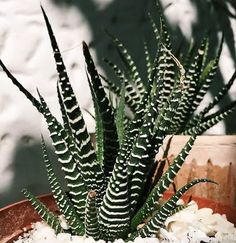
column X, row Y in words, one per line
column 212, row 157
column 220, row 149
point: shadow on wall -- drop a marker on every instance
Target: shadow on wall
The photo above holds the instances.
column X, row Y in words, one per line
column 128, row 20
column 29, row 172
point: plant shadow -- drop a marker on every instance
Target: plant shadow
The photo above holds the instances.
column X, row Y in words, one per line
column 122, row 17
column 29, row 172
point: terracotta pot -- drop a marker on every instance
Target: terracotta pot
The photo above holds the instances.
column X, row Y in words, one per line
column 15, row 219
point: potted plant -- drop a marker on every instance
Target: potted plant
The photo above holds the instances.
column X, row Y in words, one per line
column 114, row 190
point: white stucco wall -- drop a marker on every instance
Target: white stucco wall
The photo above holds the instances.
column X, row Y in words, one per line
column 26, row 51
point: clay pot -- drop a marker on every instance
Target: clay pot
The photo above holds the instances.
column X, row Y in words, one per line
column 15, row 219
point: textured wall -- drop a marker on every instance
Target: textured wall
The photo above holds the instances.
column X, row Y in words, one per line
column 25, row 49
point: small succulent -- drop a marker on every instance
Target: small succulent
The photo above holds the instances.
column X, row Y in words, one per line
column 116, row 186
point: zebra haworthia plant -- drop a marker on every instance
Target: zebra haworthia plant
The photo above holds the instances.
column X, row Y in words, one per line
column 111, row 189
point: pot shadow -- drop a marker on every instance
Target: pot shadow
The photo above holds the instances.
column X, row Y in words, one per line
column 131, row 17
column 29, row 172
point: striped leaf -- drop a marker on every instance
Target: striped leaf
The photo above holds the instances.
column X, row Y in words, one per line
column 165, row 74
column 65, row 119
column 165, row 211
column 59, row 137
column 114, row 212
column 51, row 219
column 141, row 157
column 82, row 138
column 133, row 129
column 167, row 114
column 211, row 120
column 73, row 175
column 128, row 61
column 220, row 95
column 177, row 209
column 132, row 98
column 164, row 33
column 109, row 85
column 63, row 202
column 94, row 179
column 189, row 94
column 148, row 60
column 68, row 137
column 110, row 136
column 155, row 64
column 162, row 185
column 207, row 76
column 71, row 106
column 155, row 29
column 91, row 217
column 163, row 66
column 217, row 98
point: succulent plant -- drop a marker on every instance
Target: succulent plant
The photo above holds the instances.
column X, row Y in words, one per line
column 112, row 188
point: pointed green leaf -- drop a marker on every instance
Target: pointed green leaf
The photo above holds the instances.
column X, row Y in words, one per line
column 110, row 138
column 91, row 217
column 127, row 59
column 161, row 215
column 51, row 219
column 63, row 202
column 77, row 124
column 162, row 185
column 132, row 98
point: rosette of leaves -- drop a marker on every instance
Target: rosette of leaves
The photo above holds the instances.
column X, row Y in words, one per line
column 110, row 187
column 200, row 74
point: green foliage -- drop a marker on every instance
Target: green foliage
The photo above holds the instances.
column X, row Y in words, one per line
column 110, row 189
